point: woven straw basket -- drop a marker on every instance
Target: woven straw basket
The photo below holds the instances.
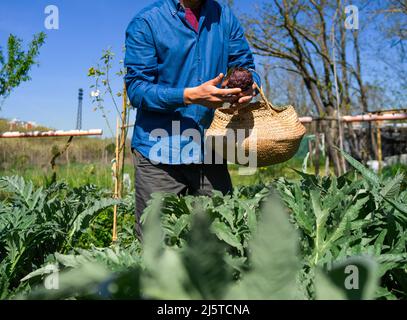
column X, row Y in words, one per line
column 278, row 132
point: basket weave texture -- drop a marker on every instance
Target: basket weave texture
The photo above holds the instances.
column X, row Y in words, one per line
column 278, row 131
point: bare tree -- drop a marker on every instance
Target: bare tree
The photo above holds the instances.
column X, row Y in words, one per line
column 284, row 88
column 309, row 42
column 297, row 32
column 391, row 18
column 395, row 12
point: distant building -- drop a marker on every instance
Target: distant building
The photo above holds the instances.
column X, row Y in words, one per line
column 17, row 124
column 30, row 125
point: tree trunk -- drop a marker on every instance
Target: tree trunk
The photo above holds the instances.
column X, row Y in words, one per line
column 370, row 141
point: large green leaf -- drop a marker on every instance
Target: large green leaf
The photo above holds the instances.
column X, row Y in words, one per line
column 204, row 260
column 321, row 216
column 165, row 276
column 325, row 289
column 274, row 260
column 225, row 233
column 349, row 215
column 355, row 278
column 392, row 188
column 77, row 282
column 369, row 175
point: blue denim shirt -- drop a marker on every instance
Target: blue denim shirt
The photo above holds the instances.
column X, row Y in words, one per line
column 165, row 55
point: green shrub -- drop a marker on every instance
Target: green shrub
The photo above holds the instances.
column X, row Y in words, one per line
column 37, row 223
column 289, row 240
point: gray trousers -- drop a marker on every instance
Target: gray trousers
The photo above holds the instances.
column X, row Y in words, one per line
column 181, row 179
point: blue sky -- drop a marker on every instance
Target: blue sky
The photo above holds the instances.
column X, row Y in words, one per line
column 86, row 28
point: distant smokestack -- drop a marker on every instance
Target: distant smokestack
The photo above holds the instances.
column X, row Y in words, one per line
column 79, row 114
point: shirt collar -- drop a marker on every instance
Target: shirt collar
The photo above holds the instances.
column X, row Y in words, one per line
column 176, row 4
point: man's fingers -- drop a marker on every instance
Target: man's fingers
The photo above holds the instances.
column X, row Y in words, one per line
column 226, row 92
column 245, row 99
column 249, row 92
column 216, row 81
column 231, row 99
column 223, row 99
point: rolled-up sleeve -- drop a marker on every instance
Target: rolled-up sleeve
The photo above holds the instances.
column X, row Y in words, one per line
column 240, row 54
column 142, row 67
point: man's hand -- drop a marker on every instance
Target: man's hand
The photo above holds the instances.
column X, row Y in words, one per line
column 245, row 97
column 209, row 95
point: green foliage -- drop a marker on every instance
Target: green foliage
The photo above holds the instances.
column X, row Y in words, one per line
column 337, row 284
column 74, row 174
column 37, row 223
column 233, row 217
column 315, row 238
column 199, row 270
column 110, row 148
column 274, row 260
column 14, row 67
column 347, row 216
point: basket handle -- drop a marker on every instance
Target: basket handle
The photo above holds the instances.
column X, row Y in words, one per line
column 272, row 108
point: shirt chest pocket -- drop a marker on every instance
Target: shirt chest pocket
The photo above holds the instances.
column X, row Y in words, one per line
column 173, row 43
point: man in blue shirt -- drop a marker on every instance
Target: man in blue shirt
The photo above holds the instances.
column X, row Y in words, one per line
column 177, row 53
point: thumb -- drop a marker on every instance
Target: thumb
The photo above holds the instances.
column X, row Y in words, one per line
column 216, row 81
